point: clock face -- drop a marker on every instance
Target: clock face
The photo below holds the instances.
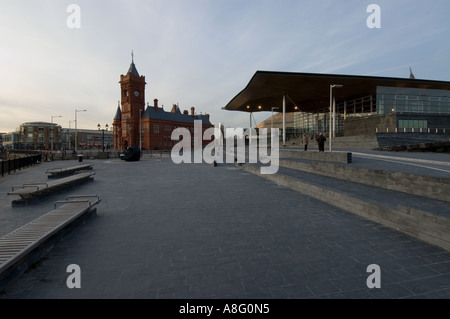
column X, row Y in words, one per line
column 136, row 93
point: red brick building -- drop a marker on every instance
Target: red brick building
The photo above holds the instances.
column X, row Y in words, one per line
column 149, row 127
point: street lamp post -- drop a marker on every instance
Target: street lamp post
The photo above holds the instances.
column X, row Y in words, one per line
column 103, row 134
column 332, row 112
column 52, row 135
column 76, row 130
column 271, row 124
column 70, row 146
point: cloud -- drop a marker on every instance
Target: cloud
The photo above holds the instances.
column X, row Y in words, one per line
column 200, row 52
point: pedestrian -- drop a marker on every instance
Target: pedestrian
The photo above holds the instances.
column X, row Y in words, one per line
column 305, row 141
column 321, row 142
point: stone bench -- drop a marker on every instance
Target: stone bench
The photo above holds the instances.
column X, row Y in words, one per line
column 33, row 191
column 59, row 172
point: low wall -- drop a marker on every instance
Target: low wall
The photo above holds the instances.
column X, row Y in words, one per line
column 335, row 157
column 368, row 125
column 406, row 140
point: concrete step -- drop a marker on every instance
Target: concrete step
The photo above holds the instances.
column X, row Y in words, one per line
column 422, row 185
column 425, row 218
column 340, row 142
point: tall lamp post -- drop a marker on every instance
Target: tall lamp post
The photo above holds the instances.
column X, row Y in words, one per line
column 103, row 134
column 332, row 111
column 76, row 130
column 271, row 123
column 70, row 146
column 52, row 135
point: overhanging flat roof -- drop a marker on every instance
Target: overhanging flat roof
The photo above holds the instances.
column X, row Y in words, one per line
column 311, row 91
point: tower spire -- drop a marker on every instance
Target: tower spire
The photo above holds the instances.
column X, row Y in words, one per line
column 118, row 115
column 132, row 68
column 411, row 75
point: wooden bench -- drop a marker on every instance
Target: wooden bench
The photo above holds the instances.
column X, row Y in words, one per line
column 23, row 247
column 33, row 191
column 58, row 172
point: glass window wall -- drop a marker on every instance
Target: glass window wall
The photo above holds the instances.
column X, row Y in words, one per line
column 412, row 100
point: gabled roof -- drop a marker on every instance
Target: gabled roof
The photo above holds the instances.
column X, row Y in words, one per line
column 311, row 91
column 160, row 114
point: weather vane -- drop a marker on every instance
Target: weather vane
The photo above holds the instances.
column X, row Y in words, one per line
column 132, row 56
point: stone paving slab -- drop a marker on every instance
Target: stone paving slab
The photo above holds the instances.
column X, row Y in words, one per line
column 196, row 231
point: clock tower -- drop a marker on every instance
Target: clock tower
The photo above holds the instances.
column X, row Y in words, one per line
column 132, row 88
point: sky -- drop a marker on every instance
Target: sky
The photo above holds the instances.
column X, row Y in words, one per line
column 57, row 60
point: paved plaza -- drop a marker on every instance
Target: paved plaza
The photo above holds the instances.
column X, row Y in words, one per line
column 195, row 231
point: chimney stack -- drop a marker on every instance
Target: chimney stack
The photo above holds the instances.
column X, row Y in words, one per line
column 192, row 111
column 155, row 103
column 174, row 108
column 185, row 112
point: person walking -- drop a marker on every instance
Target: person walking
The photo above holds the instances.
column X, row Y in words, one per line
column 305, row 141
column 321, row 142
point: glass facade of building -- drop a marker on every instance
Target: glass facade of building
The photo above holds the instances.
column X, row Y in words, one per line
column 410, row 124
column 392, row 109
column 306, row 122
column 412, row 100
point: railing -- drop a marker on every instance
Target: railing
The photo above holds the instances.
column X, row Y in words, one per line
column 11, row 165
column 413, row 130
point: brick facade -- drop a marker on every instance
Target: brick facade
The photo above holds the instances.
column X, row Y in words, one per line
column 149, row 127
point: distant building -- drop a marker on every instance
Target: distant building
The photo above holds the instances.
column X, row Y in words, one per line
column 11, row 140
column 148, row 126
column 276, row 121
column 87, row 139
column 39, row 136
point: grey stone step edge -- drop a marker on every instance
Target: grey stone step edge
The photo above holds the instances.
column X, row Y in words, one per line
column 426, row 226
column 421, row 185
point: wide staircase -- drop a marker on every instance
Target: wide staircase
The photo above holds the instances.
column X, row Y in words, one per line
column 413, row 203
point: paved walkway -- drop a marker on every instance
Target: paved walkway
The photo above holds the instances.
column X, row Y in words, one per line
column 196, row 231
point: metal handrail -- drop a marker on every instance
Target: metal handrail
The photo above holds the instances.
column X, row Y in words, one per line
column 69, row 200
column 30, row 185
